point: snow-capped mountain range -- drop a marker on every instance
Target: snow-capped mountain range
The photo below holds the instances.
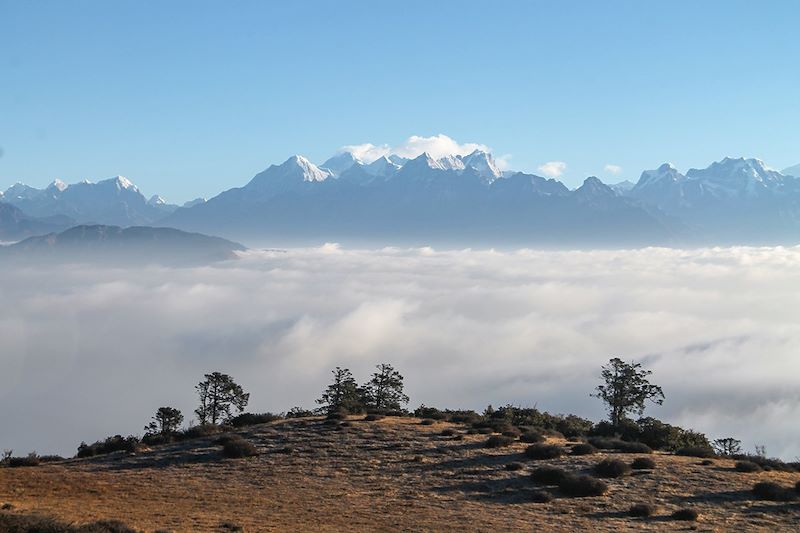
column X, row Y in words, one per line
column 457, row 198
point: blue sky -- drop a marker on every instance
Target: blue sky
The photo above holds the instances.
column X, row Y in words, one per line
column 190, row 98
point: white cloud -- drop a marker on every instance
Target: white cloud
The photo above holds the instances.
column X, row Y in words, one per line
column 466, row 328
column 436, row 145
column 553, row 169
column 613, row 169
column 367, row 152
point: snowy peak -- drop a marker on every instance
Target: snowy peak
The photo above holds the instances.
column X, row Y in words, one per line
column 156, row 200
column 592, row 186
column 308, row 170
column 340, row 162
column 121, row 183
column 737, row 170
column 661, row 176
column 423, row 161
column 57, row 185
column 382, row 166
column 451, row 162
column 483, row 163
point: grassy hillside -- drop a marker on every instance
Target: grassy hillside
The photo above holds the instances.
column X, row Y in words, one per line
column 392, row 474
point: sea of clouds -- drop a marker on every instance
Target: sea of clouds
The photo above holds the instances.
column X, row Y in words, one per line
column 88, row 352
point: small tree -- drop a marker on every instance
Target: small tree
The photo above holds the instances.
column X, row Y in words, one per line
column 385, row 389
column 343, row 394
column 219, row 394
column 727, row 446
column 166, row 421
column 626, row 389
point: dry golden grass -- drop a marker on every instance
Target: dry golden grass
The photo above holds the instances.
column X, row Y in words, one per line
column 388, row 475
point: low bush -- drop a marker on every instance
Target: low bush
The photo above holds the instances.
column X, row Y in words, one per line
column 541, row 496
column 250, row 419
column 707, row 462
column 449, row 432
column 581, row 486
column 427, row 422
column 583, row 448
column 196, row 432
column 511, row 432
column 641, row 510
column 543, row 451
column 769, row 490
column 31, row 523
column 611, row 443
column 765, row 463
column 548, row 475
column 429, row 413
column 696, row 451
column 689, row 515
column 531, row 437
column 747, row 466
column 30, row 460
column 485, row 431
column 513, row 467
column 374, row 417
column 298, row 412
column 499, row 441
column 238, row 447
column 643, row 463
column 116, row 443
column 611, row 468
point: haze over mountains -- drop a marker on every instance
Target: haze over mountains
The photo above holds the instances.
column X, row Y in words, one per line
column 458, row 199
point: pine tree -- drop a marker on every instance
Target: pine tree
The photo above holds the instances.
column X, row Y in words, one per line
column 385, row 390
column 626, row 389
column 166, row 421
column 343, row 394
column 219, row 394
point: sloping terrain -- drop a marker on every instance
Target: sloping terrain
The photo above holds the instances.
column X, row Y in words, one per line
column 393, row 474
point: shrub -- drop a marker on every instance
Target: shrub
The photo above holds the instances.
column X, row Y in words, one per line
column 583, row 448
column 747, row 466
column 111, row 444
column 499, row 441
column 706, row 462
column 606, row 443
column 429, row 413
column 690, row 515
column 548, row 475
column 531, row 437
column 695, row 451
column 641, row 510
column 449, row 432
column 765, row 463
column 195, row 432
column 582, row 486
column 611, row 468
column 298, row 412
column 373, row 417
column 250, row 419
column 427, row 422
column 572, row 426
column 31, row 523
column 797, row 487
column 513, row 467
column 238, row 447
column 768, row 490
column 511, row 432
column 643, row 463
column 541, row 496
column 543, row 451
column 30, row 460
column 462, row 417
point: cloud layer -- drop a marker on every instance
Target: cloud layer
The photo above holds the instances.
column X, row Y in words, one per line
column 91, row 352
